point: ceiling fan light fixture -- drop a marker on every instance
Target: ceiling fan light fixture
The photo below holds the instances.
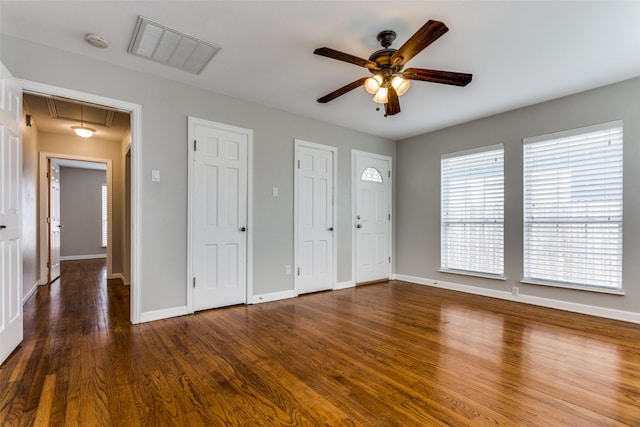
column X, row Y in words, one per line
column 382, row 96
column 83, row 131
column 372, row 84
column 400, row 85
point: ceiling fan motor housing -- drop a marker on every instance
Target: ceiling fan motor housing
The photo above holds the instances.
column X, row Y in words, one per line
column 382, row 57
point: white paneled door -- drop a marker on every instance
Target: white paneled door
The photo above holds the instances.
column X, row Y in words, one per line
column 372, row 177
column 219, row 215
column 53, row 221
column 315, row 223
column 10, row 214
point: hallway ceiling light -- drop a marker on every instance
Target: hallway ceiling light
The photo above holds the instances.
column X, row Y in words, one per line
column 83, row 131
column 165, row 45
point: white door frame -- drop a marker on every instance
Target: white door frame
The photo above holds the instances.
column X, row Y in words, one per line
column 354, row 180
column 296, row 256
column 135, row 110
column 192, row 122
column 43, row 211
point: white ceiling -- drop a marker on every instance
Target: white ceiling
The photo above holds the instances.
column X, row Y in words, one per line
column 519, row 52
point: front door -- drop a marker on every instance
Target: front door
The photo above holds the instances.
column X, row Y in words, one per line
column 219, row 215
column 53, row 221
column 372, row 217
column 314, row 216
column 10, row 214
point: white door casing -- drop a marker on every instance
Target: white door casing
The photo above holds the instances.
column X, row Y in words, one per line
column 53, row 222
column 218, row 214
column 314, row 217
column 135, row 110
column 11, row 320
column 372, row 216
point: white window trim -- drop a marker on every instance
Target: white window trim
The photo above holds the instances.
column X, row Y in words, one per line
column 560, row 284
column 468, row 272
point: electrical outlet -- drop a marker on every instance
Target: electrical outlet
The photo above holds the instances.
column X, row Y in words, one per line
column 287, row 270
column 515, row 291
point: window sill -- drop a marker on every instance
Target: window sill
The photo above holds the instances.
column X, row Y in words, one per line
column 474, row 274
column 574, row 287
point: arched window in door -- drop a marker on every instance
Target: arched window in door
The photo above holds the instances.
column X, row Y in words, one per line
column 371, row 174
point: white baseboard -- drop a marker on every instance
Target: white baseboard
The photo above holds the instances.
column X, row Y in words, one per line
column 274, row 296
column 609, row 313
column 150, row 316
column 78, row 257
column 344, row 285
column 32, row 291
column 116, row 276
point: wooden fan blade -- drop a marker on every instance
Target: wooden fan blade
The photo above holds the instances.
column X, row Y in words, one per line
column 436, row 76
column 341, row 56
column 430, row 32
column 393, row 105
column 344, row 89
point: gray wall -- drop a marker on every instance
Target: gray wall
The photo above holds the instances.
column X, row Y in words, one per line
column 418, row 188
column 81, row 211
column 165, row 108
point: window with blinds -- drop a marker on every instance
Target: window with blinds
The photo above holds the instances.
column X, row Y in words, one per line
column 104, row 216
column 472, row 211
column 573, row 208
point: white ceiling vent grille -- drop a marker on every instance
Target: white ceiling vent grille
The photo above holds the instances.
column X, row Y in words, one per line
column 165, row 45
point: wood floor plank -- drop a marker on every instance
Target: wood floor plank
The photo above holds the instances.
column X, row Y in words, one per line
column 386, row 354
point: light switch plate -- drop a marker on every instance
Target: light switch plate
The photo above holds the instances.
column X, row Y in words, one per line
column 155, row 175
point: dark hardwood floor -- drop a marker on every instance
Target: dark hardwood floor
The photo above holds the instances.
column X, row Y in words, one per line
column 380, row 355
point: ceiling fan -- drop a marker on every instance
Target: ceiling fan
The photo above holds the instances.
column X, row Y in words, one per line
column 389, row 81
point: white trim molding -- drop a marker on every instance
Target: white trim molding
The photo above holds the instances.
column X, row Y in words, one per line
column 274, row 296
column 608, row 313
column 32, row 291
column 136, row 178
column 344, row 285
column 79, row 257
column 150, row 316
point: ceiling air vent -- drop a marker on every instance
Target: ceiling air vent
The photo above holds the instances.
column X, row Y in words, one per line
column 165, row 45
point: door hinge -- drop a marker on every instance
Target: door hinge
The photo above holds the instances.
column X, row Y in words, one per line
column 48, row 220
column 389, row 174
column 195, row 145
column 47, row 174
column 298, row 164
column 194, row 282
column 389, row 260
column 389, row 217
column 298, row 271
column 48, row 264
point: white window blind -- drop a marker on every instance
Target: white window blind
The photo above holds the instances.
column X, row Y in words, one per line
column 472, row 211
column 104, row 215
column 573, row 207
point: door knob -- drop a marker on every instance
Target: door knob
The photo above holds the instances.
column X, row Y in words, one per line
column 359, row 226
column 243, row 229
column 2, row 227
column 330, row 228
column 60, row 226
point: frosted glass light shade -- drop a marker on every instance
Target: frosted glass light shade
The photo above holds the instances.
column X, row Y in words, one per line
column 381, row 96
column 400, row 85
column 372, row 84
column 83, row 131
